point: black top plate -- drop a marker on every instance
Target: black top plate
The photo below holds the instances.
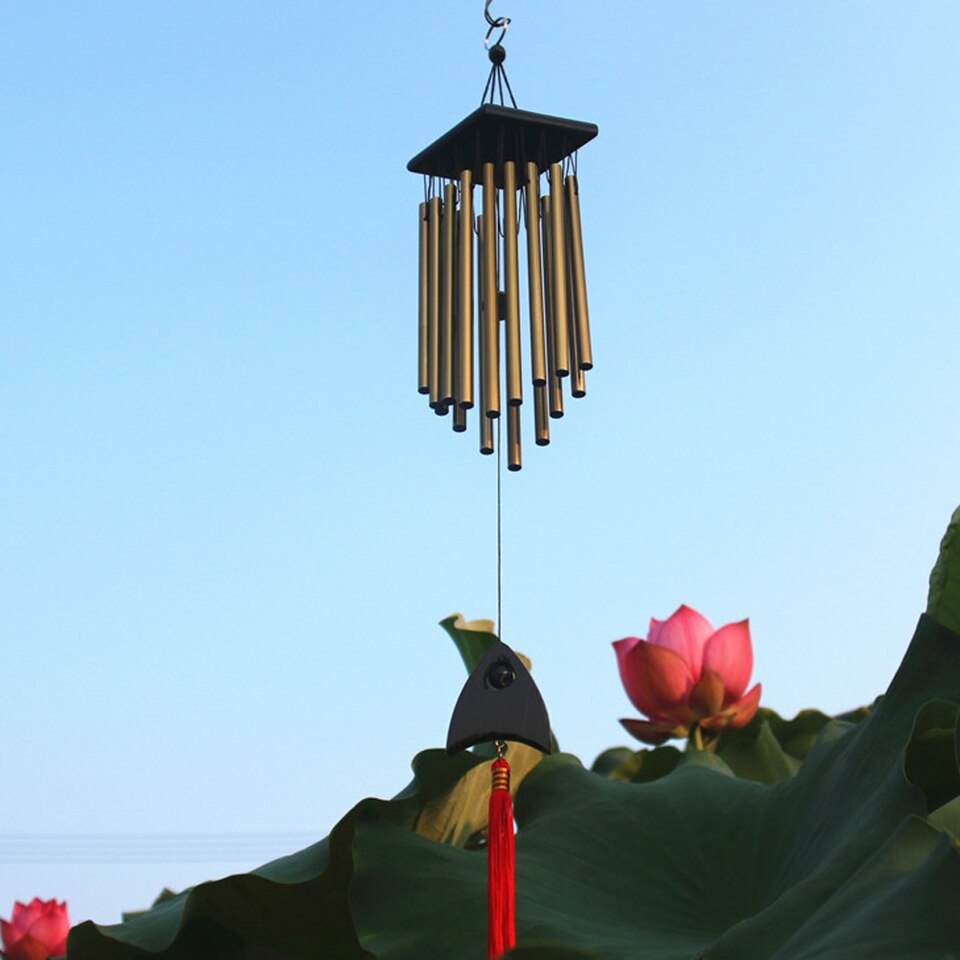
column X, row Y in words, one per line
column 494, row 134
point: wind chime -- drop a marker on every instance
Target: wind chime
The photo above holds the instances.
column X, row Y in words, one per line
column 506, row 152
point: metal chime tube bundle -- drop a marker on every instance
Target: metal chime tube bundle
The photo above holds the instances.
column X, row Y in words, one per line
column 470, row 299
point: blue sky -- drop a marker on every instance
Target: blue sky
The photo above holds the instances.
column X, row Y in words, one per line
column 231, row 524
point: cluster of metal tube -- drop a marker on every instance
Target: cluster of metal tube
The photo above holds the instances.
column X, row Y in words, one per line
column 559, row 322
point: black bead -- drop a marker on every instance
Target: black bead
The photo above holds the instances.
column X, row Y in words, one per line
column 500, row 675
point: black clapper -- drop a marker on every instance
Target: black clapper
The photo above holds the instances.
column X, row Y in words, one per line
column 499, row 701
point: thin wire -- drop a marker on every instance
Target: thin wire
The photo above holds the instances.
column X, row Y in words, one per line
column 496, row 78
column 499, row 536
column 513, row 99
column 489, row 87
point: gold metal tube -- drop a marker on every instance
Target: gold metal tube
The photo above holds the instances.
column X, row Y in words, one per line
column 558, row 271
column 433, row 299
column 447, row 290
column 423, row 382
column 511, row 287
column 486, row 434
column 489, row 320
column 486, row 424
column 555, row 389
column 554, row 383
column 481, row 314
column 542, row 421
column 514, row 455
column 459, row 418
column 578, row 384
column 464, row 361
column 538, row 362
column 575, row 243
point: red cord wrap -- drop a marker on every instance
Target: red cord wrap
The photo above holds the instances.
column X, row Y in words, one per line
column 501, row 933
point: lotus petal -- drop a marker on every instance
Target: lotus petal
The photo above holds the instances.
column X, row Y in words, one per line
column 649, row 732
column 729, row 653
column 659, row 682
column 706, row 698
column 684, row 632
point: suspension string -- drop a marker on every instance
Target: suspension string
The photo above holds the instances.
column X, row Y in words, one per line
column 513, row 99
column 499, row 536
column 489, row 87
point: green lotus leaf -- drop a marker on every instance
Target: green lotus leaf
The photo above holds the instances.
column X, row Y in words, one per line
column 768, row 749
column 931, row 760
column 472, row 638
column 853, row 856
column 610, row 760
column 943, row 602
column 836, row 861
column 643, row 766
column 550, row 951
column 699, row 864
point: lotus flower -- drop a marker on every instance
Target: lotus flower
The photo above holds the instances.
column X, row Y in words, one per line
column 36, row 931
column 686, row 677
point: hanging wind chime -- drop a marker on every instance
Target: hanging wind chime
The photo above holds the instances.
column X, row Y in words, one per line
column 506, row 152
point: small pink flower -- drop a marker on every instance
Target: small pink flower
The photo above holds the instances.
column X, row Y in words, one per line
column 687, row 674
column 36, row 931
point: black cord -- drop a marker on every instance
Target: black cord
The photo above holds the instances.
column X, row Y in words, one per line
column 499, row 536
column 513, row 99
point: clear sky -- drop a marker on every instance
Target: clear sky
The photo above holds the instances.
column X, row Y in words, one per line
column 230, row 524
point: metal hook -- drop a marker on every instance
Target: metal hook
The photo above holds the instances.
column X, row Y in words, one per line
column 498, row 23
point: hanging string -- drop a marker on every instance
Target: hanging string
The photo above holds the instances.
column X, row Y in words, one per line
column 499, row 535
column 497, row 78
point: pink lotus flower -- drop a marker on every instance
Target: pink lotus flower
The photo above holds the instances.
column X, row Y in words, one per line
column 687, row 676
column 36, row 931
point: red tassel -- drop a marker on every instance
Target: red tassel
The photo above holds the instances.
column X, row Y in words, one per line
column 501, row 932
